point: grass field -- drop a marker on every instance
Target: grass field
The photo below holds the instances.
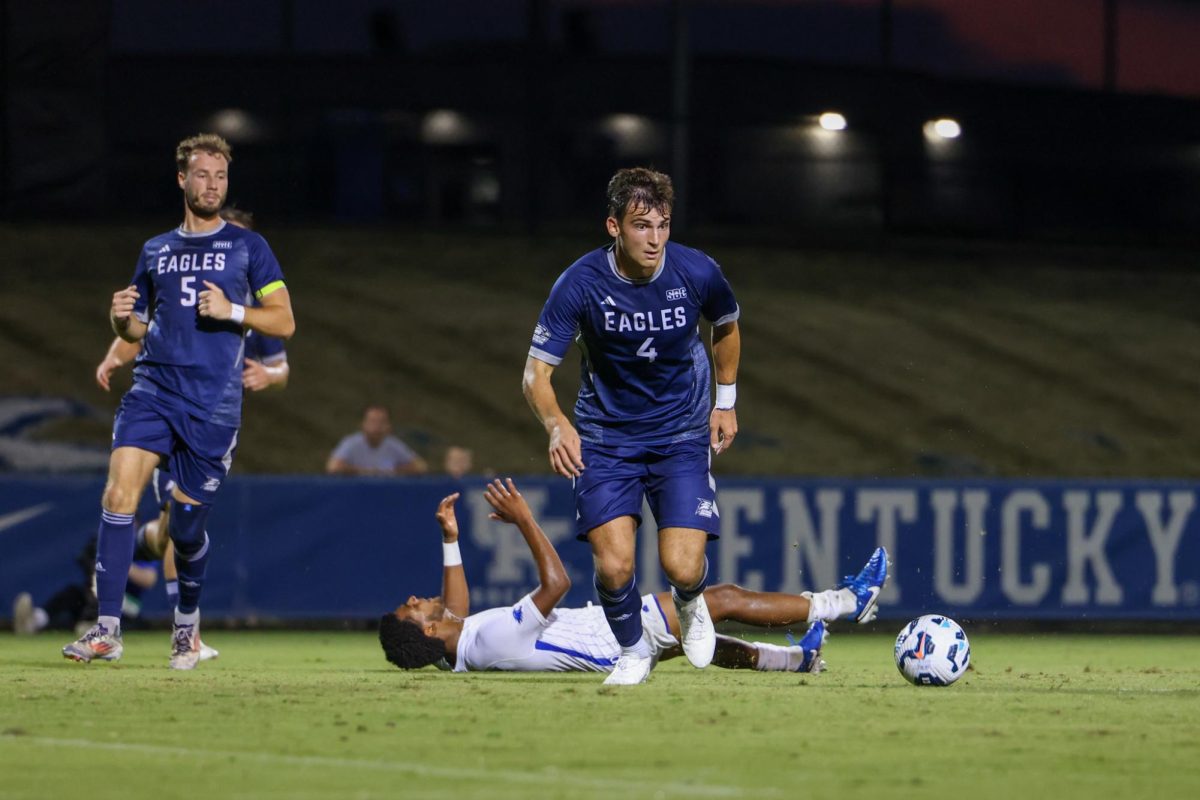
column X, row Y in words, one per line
column 322, row 715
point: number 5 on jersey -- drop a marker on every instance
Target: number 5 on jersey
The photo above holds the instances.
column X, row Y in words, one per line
column 187, row 290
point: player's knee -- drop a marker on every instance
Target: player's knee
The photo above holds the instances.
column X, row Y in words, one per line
column 119, row 499
column 614, row 572
column 682, row 572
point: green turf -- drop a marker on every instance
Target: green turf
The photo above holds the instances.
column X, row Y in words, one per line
column 321, row 715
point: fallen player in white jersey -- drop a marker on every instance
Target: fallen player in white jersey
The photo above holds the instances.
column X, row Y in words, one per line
column 535, row 636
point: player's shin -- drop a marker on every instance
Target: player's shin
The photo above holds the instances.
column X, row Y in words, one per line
column 623, row 610
column 114, row 554
column 191, row 552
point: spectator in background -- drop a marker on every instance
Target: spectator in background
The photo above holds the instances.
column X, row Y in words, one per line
column 374, row 451
column 459, row 461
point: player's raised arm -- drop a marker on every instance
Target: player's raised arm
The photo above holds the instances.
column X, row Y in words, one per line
column 566, row 454
column 727, row 352
column 455, row 594
column 125, row 323
column 510, row 507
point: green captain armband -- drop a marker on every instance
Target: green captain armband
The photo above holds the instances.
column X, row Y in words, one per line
column 270, row 287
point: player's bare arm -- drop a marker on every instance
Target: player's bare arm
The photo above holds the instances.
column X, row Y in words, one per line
column 565, row 451
column 727, row 352
column 124, row 323
column 257, row 376
column 120, row 353
column 273, row 318
column 509, row 506
column 455, row 594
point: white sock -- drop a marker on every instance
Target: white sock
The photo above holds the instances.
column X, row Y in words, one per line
column 830, row 605
column 771, row 657
column 187, row 619
column 641, row 649
column 112, row 623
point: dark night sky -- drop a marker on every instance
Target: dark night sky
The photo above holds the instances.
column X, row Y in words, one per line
column 1042, row 41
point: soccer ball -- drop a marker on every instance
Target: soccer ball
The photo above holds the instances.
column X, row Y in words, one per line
column 932, row 651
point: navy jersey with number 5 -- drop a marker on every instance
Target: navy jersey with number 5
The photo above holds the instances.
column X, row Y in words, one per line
column 190, row 361
column 646, row 378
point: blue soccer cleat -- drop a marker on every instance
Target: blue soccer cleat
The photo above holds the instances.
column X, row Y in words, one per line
column 809, row 647
column 867, row 584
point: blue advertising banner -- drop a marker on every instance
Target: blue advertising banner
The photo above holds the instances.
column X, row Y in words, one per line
column 317, row 547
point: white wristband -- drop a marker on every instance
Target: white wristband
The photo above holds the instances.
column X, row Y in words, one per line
column 726, row 396
column 451, row 557
column 237, row 313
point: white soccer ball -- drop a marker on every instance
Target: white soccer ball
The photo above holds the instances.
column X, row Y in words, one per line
column 932, row 651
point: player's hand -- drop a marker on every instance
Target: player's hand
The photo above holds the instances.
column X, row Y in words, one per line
column 509, row 504
column 255, row 376
column 722, row 428
column 447, row 519
column 566, row 453
column 105, row 370
column 213, row 302
column 122, row 304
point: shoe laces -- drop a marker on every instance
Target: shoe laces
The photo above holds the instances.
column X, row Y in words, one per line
column 96, row 632
column 182, row 643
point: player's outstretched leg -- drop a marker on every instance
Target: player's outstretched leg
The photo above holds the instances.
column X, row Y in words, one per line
column 100, row 642
column 866, row 586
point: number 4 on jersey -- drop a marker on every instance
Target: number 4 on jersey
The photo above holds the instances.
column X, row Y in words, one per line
column 646, row 351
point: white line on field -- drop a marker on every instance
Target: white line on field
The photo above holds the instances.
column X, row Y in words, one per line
column 547, row 777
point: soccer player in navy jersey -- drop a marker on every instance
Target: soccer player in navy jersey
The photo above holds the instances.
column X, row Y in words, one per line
column 646, row 424
column 265, row 367
column 189, row 306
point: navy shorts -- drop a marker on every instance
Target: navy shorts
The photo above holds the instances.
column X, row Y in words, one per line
column 198, row 454
column 674, row 478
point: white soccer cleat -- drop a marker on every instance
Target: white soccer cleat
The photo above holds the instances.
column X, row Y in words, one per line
column 185, row 646
column 23, row 621
column 208, row 653
column 630, row 670
column 697, row 634
column 98, row 643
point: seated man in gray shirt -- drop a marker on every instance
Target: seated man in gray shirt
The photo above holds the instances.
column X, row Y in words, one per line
column 373, row 450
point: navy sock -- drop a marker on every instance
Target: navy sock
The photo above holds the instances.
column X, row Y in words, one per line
column 623, row 608
column 690, row 593
column 191, row 552
column 114, row 554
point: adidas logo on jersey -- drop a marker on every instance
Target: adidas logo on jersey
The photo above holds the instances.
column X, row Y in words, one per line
column 608, row 301
column 166, row 248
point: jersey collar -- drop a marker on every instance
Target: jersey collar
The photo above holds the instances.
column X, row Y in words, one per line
column 193, row 235
column 611, row 253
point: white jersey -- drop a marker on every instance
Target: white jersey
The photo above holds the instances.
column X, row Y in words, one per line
column 518, row 638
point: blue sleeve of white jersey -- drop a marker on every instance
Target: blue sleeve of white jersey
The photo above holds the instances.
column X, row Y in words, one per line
column 558, row 323
column 719, row 306
column 145, row 288
column 265, row 273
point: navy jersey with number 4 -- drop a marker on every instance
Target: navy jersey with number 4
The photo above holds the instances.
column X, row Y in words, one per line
column 190, row 361
column 646, row 378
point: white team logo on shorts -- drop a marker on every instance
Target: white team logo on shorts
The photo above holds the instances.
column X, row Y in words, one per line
column 211, row 485
column 706, row 508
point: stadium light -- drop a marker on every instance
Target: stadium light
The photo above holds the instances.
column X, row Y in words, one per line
column 633, row 134
column 234, row 123
column 444, row 126
column 832, row 121
column 942, row 129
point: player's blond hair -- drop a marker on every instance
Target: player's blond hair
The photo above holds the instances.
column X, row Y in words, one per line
column 209, row 143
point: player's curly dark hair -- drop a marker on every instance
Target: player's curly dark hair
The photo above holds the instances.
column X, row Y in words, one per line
column 406, row 645
column 639, row 187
